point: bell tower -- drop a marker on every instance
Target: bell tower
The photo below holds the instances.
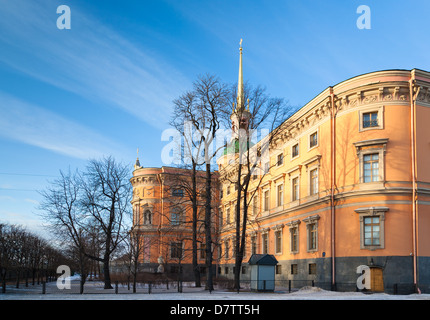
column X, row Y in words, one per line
column 240, row 115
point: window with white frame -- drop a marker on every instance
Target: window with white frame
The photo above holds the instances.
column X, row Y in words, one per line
column 313, row 181
column 294, row 235
column 312, row 232
column 265, row 242
column 295, row 189
column 313, row 140
column 266, row 198
column 176, row 216
column 371, row 167
column 280, row 159
column 255, row 204
column 371, row 118
column 372, row 227
column 266, row 167
column 371, row 158
column 280, row 194
column 295, row 151
column 278, row 238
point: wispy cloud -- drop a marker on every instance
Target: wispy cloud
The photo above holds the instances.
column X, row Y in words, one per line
column 36, row 126
column 90, row 59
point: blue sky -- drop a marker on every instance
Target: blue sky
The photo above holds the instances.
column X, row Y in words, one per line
column 105, row 87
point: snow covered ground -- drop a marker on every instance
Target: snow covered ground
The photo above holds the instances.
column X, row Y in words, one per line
column 189, row 293
column 303, row 294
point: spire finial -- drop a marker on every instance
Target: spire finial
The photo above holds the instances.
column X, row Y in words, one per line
column 240, row 95
column 137, row 164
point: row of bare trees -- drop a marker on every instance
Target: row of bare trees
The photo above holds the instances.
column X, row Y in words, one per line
column 26, row 256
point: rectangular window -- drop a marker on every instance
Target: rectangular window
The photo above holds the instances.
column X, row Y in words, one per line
column 255, row 205
column 295, row 189
column 278, row 241
column 278, row 269
column 295, row 150
column 265, row 243
column 280, row 159
column 176, row 250
column 312, row 229
column 280, row 195
column 371, row 231
column 176, row 217
column 266, row 167
column 244, row 270
column 202, row 251
column 227, row 217
column 370, row 119
column 266, row 200
column 313, row 140
column 372, row 226
column 312, row 268
column 178, row 193
column 313, row 181
column 294, row 232
column 253, row 245
column 371, row 167
column 294, row 268
column 227, row 249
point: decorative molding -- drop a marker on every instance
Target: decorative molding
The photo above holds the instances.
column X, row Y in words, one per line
column 371, row 143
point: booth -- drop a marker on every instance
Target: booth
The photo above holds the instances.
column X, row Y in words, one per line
column 263, row 272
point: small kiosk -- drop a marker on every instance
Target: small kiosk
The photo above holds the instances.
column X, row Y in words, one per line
column 263, row 272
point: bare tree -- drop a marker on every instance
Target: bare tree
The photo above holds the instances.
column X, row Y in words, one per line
column 107, row 195
column 90, row 208
column 202, row 109
column 262, row 113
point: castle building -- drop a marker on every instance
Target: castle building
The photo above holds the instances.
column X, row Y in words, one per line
column 163, row 220
column 346, row 184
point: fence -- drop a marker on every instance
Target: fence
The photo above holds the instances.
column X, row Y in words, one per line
column 174, row 286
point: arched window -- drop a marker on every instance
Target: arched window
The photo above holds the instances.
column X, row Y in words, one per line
column 147, row 217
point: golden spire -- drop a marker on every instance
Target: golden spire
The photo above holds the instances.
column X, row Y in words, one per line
column 137, row 164
column 240, row 94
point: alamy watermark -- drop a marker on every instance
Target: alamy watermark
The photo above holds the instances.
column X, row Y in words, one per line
column 363, row 281
column 364, row 20
column 64, row 21
column 63, row 281
column 189, row 144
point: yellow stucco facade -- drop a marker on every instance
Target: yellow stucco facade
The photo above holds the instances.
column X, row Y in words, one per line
column 348, row 184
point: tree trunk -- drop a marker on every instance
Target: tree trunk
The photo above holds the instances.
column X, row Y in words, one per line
column 106, row 274
column 195, row 210
column 238, row 258
column 208, row 233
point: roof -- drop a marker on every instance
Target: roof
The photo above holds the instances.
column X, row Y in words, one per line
column 263, row 259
